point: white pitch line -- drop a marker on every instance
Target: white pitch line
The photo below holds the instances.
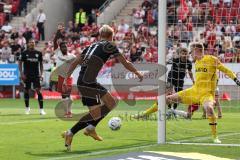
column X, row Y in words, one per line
column 22, row 122
column 101, row 152
column 206, row 144
column 205, row 138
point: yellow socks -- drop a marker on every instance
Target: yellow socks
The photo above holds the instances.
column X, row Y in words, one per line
column 213, row 124
column 151, row 110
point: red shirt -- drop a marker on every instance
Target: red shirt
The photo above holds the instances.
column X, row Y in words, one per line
column 228, row 56
column 211, row 39
column 86, row 28
column 190, row 26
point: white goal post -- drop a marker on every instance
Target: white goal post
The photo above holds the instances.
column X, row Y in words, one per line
column 162, row 19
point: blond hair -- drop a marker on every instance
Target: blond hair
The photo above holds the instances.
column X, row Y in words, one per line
column 197, row 46
column 106, row 31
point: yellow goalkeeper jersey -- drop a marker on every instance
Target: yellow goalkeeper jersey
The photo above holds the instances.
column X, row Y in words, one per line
column 206, row 73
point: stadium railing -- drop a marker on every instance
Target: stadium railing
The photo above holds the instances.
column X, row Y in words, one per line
column 110, row 9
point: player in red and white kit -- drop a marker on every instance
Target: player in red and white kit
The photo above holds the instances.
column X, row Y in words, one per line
column 61, row 57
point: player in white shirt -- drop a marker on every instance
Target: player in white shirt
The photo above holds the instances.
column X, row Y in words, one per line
column 41, row 18
column 61, row 57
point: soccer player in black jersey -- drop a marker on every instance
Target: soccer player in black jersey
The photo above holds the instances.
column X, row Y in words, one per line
column 99, row 101
column 178, row 72
column 31, row 70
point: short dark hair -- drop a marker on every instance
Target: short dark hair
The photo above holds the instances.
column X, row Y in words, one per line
column 183, row 50
column 62, row 43
column 31, row 39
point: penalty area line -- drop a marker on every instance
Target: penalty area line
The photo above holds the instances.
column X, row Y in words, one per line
column 205, row 144
column 101, row 152
column 205, row 138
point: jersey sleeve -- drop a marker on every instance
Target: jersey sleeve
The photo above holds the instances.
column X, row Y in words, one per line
column 84, row 52
column 225, row 69
column 22, row 57
column 40, row 58
column 111, row 49
column 189, row 65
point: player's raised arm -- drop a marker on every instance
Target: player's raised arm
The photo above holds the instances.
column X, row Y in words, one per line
column 228, row 72
column 74, row 64
column 129, row 66
column 191, row 75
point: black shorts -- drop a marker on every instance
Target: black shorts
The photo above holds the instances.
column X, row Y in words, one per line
column 29, row 81
column 177, row 84
column 91, row 93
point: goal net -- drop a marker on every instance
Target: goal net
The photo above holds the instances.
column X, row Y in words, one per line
column 215, row 24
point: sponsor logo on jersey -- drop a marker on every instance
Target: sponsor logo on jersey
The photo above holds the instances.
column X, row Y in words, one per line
column 32, row 59
column 201, row 69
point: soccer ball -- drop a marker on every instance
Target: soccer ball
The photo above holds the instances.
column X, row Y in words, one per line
column 115, row 123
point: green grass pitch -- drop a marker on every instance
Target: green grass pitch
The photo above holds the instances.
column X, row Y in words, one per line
column 38, row 137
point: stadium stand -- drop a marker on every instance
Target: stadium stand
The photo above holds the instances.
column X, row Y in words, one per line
column 137, row 38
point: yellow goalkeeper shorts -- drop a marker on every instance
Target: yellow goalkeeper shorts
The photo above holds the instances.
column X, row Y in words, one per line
column 194, row 95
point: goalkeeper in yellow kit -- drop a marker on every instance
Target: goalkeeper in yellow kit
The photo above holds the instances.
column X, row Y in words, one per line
column 203, row 91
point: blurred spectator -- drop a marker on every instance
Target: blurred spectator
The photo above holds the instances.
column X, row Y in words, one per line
column 215, row 2
column 227, row 2
column 23, row 6
column 23, row 28
column 228, row 56
column 69, row 28
column 41, row 18
column 92, row 18
column 86, row 27
column 22, row 41
column 7, row 9
column 171, row 13
column 123, row 27
column 7, row 27
column 129, row 36
column 146, row 5
column 28, row 34
column 35, row 32
column 114, row 26
column 16, row 48
column 6, row 53
column 136, row 53
column 48, row 53
column 231, row 29
column 59, row 35
column 137, row 17
column 76, row 28
column 14, row 34
column 80, row 18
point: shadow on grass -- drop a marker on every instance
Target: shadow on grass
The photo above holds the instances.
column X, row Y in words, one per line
column 81, row 153
column 41, row 118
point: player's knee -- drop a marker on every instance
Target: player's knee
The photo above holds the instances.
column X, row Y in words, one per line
column 112, row 104
column 109, row 101
column 38, row 91
column 64, row 96
column 40, row 96
column 170, row 99
column 26, row 91
column 26, row 95
column 210, row 110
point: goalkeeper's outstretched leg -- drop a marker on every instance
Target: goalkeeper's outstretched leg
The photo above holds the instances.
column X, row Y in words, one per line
column 188, row 96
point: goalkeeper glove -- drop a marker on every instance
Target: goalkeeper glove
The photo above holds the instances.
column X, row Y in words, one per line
column 237, row 81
